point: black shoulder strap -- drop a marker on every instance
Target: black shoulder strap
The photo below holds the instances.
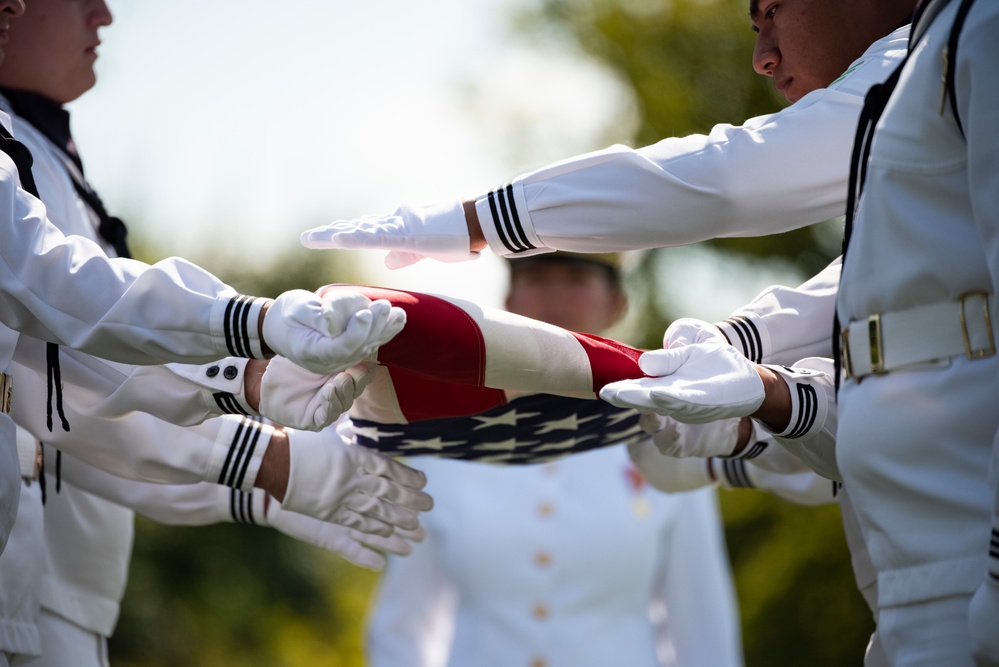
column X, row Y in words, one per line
column 21, row 156
column 950, row 61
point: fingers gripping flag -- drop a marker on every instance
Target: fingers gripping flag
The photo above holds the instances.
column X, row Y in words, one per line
column 452, row 376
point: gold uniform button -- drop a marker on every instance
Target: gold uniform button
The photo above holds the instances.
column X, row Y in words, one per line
column 546, row 509
column 540, row 611
column 542, row 559
column 539, row 662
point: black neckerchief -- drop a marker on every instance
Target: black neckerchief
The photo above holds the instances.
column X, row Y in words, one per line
column 49, row 118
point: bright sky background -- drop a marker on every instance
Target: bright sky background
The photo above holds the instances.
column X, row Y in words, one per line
column 224, row 128
column 239, row 123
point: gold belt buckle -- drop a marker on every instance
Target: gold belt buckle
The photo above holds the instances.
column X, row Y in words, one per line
column 876, row 344
column 844, row 352
column 980, row 353
column 6, row 390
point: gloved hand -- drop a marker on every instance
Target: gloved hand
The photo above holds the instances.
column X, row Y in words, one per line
column 352, row 485
column 295, row 397
column 676, row 439
column 330, row 333
column 693, row 384
column 690, row 331
column 437, row 230
column 983, row 623
column 357, row 547
column 666, row 473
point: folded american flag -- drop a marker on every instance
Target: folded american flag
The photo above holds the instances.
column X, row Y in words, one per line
column 452, row 383
column 529, row 429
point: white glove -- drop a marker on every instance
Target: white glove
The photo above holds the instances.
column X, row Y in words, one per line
column 666, row 473
column 437, row 230
column 330, row 333
column 983, row 623
column 693, row 384
column 681, row 440
column 352, row 485
column 689, row 331
column 295, row 397
column 359, row 548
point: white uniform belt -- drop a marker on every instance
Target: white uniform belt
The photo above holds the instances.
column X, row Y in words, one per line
column 29, row 455
column 889, row 341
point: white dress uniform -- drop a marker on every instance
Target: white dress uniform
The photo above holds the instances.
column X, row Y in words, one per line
column 577, row 562
column 916, row 442
column 81, row 576
column 65, row 290
column 688, row 189
column 779, row 326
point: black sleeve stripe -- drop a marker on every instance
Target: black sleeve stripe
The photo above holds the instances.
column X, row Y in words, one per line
column 754, row 450
column 244, row 441
column 504, row 208
column 516, row 217
column 496, row 223
column 228, row 403
column 994, row 555
column 237, row 336
column 249, row 457
column 749, row 336
column 506, row 220
column 808, row 410
column 735, row 473
column 241, row 506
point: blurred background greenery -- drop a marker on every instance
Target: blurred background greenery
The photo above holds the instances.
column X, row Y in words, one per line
column 239, row 595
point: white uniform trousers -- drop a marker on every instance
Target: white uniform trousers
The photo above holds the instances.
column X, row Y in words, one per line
column 21, row 568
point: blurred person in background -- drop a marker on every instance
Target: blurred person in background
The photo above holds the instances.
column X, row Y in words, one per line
column 574, row 562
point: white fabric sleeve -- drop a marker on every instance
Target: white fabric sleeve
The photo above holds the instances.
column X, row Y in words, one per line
column 175, row 393
column 802, row 488
column 811, row 432
column 136, row 445
column 174, row 504
column 696, row 586
column 66, row 290
column 413, row 617
column 689, row 189
column 784, row 324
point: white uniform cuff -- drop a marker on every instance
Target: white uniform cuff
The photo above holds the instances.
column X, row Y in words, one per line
column 248, row 506
column 731, row 473
column 221, row 385
column 238, row 452
column 809, row 403
column 235, row 323
column 746, row 332
column 506, row 222
column 759, row 440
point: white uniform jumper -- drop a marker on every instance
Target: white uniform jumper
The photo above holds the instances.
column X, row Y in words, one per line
column 916, row 442
column 575, row 562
